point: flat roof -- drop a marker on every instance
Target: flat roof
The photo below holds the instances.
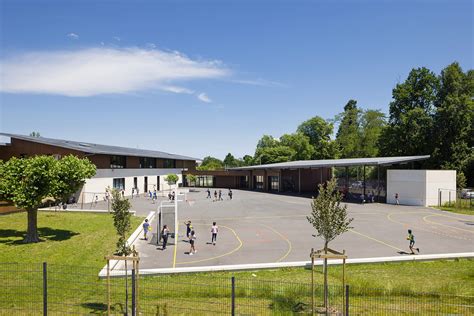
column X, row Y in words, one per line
column 301, row 164
column 91, row 148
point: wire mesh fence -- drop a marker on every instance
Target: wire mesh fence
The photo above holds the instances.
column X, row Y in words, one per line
column 42, row 289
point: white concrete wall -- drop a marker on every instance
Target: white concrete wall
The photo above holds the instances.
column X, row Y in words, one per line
column 418, row 187
column 409, row 184
column 440, row 179
column 104, row 179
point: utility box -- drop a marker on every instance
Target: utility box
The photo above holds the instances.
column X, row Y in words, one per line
column 420, row 187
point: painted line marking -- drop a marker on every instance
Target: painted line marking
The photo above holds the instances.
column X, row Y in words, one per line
column 374, row 239
column 269, row 217
column 220, row 256
column 431, row 222
column 284, row 238
column 176, row 245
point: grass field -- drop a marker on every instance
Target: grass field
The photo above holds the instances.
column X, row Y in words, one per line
column 75, row 244
column 461, row 206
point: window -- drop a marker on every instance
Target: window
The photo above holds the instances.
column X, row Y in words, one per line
column 147, row 162
column 258, row 182
column 274, row 183
column 119, row 183
column 118, row 162
column 169, row 163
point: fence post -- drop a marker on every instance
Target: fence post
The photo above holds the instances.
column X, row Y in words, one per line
column 133, row 293
column 45, row 289
column 439, row 197
column 347, row 300
column 233, row 297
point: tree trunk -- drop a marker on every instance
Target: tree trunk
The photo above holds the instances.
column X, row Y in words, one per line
column 326, row 279
column 32, row 231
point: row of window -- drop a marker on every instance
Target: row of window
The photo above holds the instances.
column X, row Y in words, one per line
column 119, row 162
column 119, row 184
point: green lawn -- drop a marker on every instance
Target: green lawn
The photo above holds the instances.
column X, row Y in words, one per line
column 461, row 206
column 75, row 244
column 68, row 238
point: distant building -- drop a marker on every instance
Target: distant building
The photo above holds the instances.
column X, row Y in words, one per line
column 117, row 167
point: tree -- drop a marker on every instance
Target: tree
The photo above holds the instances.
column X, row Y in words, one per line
column 454, row 120
column 372, row 123
column 267, row 141
column 409, row 130
column 171, row 178
column 300, row 144
column 247, row 160
column 211, row 163
column 121, row 214
column 191, row 179
column 230, row 161
column 27, row 182
column 329, row 219
column 35, row 134
column 319, row 132
column 275, row 154
column 348, row 136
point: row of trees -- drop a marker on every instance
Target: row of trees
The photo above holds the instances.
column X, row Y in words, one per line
column 429, row 115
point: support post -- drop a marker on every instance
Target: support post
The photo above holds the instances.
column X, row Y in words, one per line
column 133, row 293
column 299, row 180
column 344, row 282
column 347, row 300
column 108, row 287
column 364, row 182
column 45, row 289
column 378, row 183
column 233, row 297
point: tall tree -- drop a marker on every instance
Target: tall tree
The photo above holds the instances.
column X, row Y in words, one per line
column 348, row 136
column 247, row 160
column 319, row 132
column 27, row 182
column 409, row 130
column 275, row 154
column 300, row 144
column 372, row 123
column 454, row 120
column 211, row 163
column 230, row 161
column 121, row 214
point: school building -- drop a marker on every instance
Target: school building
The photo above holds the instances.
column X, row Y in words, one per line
column 376, row 179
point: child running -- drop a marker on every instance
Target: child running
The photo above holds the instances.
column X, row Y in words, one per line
column 192, row 240
column 411, row 238
column 214, row 231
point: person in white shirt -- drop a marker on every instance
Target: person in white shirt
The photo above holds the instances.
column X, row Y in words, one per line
column 214, row 231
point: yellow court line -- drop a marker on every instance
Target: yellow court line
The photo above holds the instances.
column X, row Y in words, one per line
column 431, row 222
column 220, row 256
column 374, row 239
column 176, row 244
column 284, row 238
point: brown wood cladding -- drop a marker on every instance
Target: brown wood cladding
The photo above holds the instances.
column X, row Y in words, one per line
column 19, row 147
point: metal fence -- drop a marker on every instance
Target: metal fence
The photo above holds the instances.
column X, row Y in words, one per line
column 460, row 199
column 50, row 289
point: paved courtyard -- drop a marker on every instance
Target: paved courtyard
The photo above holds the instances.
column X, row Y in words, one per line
column 259, row 227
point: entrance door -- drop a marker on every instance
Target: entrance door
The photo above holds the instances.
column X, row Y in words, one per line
column 135, row 183
column 158, row 183
column 145, row 187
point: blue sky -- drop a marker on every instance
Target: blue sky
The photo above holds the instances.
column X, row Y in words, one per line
column 210, row 77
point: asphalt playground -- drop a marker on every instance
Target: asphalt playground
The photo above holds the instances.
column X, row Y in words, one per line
column 256, row 227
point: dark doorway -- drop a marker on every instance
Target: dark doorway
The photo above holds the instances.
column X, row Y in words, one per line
column 158, row 183
column 135, row 183
column 145, row 187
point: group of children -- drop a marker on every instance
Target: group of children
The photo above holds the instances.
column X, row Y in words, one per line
column 218, row 196
column 191, row 235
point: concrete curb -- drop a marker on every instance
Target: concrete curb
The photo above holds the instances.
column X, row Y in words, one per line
column 278, row 265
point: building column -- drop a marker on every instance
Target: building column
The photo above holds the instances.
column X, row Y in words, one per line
column 364, row 182
column 279, row 181
column 299, row 180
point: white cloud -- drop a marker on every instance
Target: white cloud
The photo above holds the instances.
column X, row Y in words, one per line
column 204, row 98
column 73, row 35
column 260, row 82
column 118, row 39
column 150, row 45
column 96, row 71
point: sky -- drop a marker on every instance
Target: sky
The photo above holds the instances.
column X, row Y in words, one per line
column 203, row 78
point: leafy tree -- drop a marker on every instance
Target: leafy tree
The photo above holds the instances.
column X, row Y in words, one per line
column 319, row 132
column 230, row 161
column 247, row 160
column 191, row 178
column 329, row 218
column 121, row 214
column 372, row 123
column 211, row 163
column 348, row 136
column 300, row 144
column 27, row 182
column 275, row 154
column 409, row 130
column 454, row 120
column 267, row 141
column 171, row 178
column 35, row 134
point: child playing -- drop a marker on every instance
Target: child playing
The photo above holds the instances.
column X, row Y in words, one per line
column 146, row 228
column 411, row 238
